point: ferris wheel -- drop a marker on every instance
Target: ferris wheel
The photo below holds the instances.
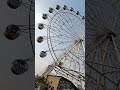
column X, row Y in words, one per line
column 66, row 39
column 21, row 29
column 103, row 45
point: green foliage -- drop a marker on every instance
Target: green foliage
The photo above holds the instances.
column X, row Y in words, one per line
column 40, row 81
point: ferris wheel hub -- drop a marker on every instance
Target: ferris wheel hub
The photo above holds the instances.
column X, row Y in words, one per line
column 109, row 32
column 65, row 42
column 109, row 35
column 112, row 34
column 78, row 40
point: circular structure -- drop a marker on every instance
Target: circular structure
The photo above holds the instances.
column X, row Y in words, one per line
column 65, row 39
column 102, row 45
column 13, row 31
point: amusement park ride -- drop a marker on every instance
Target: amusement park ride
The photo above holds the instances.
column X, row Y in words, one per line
column 66, row 43
column 66, row 39
column 102, row 57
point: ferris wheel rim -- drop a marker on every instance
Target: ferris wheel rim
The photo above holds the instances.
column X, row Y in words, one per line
column 110, row 56
column 72, row 58
column 30, row 36
column 49, row 25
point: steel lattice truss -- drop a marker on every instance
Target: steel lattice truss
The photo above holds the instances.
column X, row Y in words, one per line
column 65, row 38
column 102, row 44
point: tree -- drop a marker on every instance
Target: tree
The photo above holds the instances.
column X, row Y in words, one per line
column 42, row 81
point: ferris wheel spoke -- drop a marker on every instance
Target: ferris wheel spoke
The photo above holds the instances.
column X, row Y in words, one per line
column 113, row 71
column 93, row 79
column 115, row 19
column 67, row 29
column 92, row 19
column 24, row 35
column 25, row 3
column 91, row 29
column 101, row 74
column 72, row 31
column 114, row 56
column 64, row 30
column 71, row 27
column 100, row 20
column 64, row 18
column 117, row 42
column 114, row 43
column 25, row 25
column 32, row 1
column 29, row 1
column 63, row 39
column 62, row 23
column 57, row 40
column 29, row 5
column 32, row 29
column 90, row 33
column 90, row 65
column 94, row 13
column 57, row 44
column 28, row 32
column 95, row 45
column 25, row 29
column 90, row 24
column 58, row 34
column 87, row 20
column 111, row 4
column 58, row 23
column 59, row 49
column 102, row 17
column 61, row 34
column 101, row 10
column 78, row 28
column 102, row 67
column 77, row 23
column 109, row 67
